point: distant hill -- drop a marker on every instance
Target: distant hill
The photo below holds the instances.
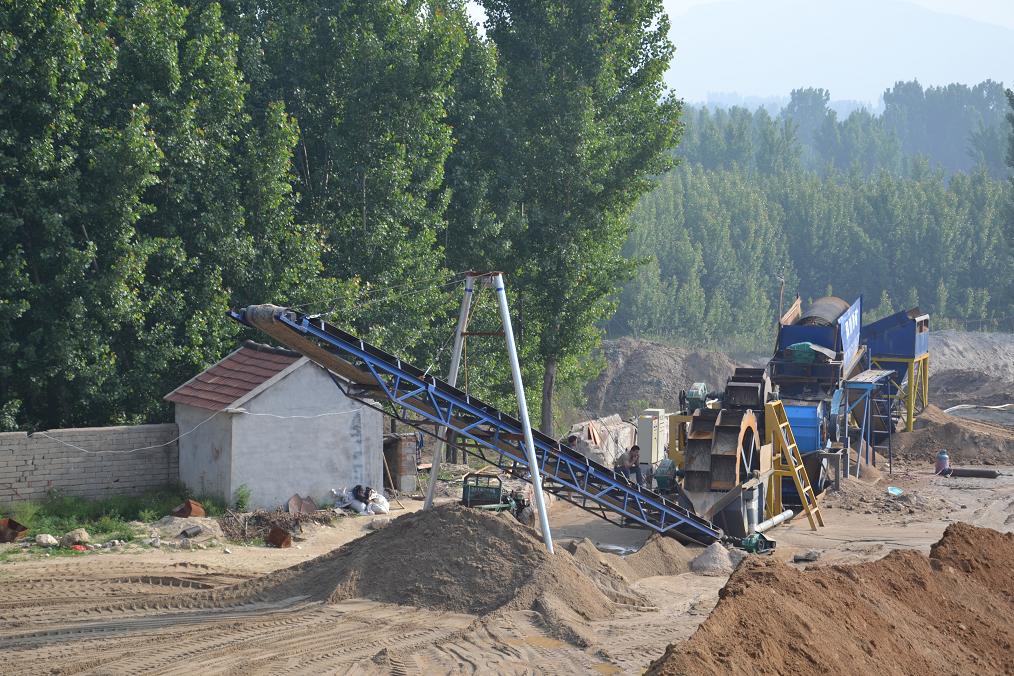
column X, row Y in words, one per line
column 855, row 49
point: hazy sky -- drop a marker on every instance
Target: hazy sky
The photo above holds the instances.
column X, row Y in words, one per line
column 854, row 48
column 1000, row 12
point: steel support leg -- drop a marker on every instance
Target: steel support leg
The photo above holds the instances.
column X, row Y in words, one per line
column 519, row 389
column 910, row 399
column 452, row 379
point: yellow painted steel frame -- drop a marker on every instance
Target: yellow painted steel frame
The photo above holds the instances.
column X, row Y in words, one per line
column 678, row 445
column 787, row 463
column 915, row 394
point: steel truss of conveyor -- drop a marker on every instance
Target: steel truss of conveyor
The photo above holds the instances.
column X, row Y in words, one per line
column 418, row 399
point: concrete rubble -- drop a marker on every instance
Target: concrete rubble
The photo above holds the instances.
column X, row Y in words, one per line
column 78, row 536
column 46, row 540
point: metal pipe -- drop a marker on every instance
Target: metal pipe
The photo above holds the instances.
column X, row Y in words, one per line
column 972, row 473
column 752, row 507
column 452, row 379
column 774, row 521
column 519, row 390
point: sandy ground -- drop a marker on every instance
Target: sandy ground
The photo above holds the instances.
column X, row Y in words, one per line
column 93, row 613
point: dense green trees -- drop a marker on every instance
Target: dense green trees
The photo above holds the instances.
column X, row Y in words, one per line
column 724, row 226
column 955, row 128
column 162, row 160
column 584, row 121
column 136, row 196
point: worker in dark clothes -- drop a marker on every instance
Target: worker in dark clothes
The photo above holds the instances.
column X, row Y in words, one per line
column 630, row 463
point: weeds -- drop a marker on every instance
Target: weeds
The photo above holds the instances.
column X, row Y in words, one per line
column 241, row 498
column 105, row 519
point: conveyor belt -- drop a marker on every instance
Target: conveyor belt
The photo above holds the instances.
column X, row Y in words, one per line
column 399, row 389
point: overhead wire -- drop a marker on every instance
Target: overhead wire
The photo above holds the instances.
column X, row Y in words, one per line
column 193, row 429
column 381, row 291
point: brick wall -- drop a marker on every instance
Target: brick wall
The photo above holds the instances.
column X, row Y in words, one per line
column 30, row 466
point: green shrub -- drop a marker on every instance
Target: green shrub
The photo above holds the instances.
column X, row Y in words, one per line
column 148, row 515
column 26, row 513
column 241, row 498
column 212, row 506
column 107, row 523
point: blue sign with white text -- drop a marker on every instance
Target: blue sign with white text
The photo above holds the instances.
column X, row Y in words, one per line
column 850, row 325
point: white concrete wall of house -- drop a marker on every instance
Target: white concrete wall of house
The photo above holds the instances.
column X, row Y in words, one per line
column 277, row 457
column 205, row 462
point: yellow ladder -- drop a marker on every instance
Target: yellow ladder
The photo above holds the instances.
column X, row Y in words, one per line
column 787, row 462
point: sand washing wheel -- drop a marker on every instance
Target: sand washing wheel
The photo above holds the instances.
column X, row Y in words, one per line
column 721, row 447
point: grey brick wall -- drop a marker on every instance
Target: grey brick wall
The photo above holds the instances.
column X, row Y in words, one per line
column 31, row 466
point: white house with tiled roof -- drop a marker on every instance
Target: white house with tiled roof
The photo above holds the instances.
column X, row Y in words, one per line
column 276, row 422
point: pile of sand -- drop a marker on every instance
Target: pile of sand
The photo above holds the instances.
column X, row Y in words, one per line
column 990, row 353
column 950, row 612
column 660, row 555
column 470, row 561
column 639, row 371
column 963, row 386
column 966, row 441
column 713, row 561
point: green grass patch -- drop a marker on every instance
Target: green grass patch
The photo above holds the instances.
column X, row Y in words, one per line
column 104, row 519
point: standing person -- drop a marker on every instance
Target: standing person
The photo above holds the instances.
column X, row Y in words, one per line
column 630, row 463
column 420, row 442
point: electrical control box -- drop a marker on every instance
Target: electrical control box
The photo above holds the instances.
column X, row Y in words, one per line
column 652, row 435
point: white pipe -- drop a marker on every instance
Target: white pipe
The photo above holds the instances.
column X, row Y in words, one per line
column 519, row 389
column 452, row 379
column 774, row 521
column 752, row 508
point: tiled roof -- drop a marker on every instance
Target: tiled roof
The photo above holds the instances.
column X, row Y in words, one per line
column 232, row 378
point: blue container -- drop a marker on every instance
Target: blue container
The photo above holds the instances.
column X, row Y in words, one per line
column 805, row 420
column 904, row 334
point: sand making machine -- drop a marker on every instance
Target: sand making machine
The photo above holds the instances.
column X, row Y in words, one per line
column 717, row 457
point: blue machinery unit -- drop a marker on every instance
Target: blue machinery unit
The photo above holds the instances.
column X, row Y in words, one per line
column 423, row 401
column 866, row 402
column 900, row 343
column 814, row 353
column 819, row 371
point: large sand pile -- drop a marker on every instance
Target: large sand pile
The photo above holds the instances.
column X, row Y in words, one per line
column 639, row 371
column 469, row 561
column 966, row 441
column 989, row 353
column 449, row 558
column 954, row 387
column 971, row 368
column 951, row 612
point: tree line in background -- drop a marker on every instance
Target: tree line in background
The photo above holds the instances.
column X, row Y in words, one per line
column 909, row 208
column 956, row 128
column 163, row 160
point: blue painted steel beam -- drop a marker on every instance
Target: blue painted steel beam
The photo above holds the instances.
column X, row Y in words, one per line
column 496, row 436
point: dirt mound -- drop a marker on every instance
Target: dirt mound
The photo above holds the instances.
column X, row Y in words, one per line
column 907, row 613
column 449, row 558
column 642, row 371
column 660, row 555
column 990, row 353
column 966, row 441
column 962, row 386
